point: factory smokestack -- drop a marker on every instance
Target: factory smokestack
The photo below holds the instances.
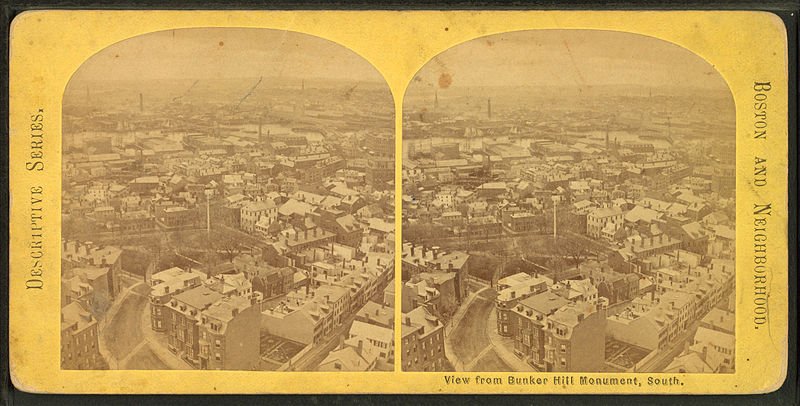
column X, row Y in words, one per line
column 141, row 103
column 260, row 136
column 489, row 108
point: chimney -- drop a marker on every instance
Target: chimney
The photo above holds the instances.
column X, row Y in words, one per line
column 141, row 103
column 166, row 289
column 412, row 250
column 408, row 321
column 360, row 346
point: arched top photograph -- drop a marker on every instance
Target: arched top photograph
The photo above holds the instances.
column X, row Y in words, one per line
column 577, row 186
column 225, row 192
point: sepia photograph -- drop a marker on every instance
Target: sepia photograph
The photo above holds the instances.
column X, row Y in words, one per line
column 227, row 204
column 568, row 205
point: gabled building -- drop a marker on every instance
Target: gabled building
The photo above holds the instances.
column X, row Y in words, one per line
column 422, row 336
column 79, row 347
column 575, row 338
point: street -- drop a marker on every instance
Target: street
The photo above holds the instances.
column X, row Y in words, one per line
column 472, row 345
column 123, row 335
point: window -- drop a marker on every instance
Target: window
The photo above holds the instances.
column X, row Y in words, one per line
column 563, row 362
column 217, row 343
column 563, row 348
column 505, row 329
column 218, row 357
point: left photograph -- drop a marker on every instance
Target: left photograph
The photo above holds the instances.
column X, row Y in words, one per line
column 227, row 203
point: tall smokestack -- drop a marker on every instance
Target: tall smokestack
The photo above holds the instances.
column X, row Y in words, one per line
column 555, row 219
column 489, row 107
column 260, row 140
column 141, row 103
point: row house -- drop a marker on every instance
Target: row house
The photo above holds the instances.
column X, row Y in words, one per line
column 166, row 284
column 79, row 346
column 519, row 287
column 526, row 321
column 575, row 339
column 227, row 339
column 308, row 318
column 422, row 336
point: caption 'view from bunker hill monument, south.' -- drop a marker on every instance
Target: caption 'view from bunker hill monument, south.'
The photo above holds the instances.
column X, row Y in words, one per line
column 568, row 206
column 228, row 203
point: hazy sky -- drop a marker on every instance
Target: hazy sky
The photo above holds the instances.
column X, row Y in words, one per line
column 567, row 58
column 204, row 53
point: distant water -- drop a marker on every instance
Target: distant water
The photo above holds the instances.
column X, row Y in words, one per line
column 596, row 138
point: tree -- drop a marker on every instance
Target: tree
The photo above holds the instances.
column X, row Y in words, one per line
column 574, row 249
column 229, row 245
column 416, row 233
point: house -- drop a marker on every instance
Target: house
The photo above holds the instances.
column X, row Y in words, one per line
column 422, row 336
column 79, row 346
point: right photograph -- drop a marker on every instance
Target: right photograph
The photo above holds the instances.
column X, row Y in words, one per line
column 568, row 206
